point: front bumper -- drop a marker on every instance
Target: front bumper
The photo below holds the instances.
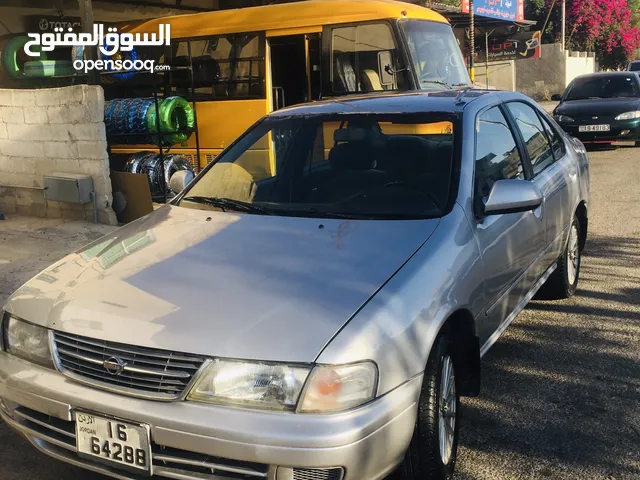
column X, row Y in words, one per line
column 621, row 131
column 365, row 443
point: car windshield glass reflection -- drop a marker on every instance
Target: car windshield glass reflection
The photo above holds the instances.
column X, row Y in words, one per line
column 603, row 87
column 346, row 166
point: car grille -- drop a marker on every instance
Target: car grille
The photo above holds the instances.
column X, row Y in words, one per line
column 317, row 473
column 58, row 437
column 138, row 371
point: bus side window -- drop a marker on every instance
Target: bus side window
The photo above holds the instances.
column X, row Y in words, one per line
column 354, row 57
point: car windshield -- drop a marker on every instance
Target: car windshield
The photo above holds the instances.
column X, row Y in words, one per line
column 435, row 54
column 634, row 67
column 341, row 166
column 603, row 87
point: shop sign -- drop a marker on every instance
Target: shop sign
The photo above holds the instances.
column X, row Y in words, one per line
column 47, row 23
column 515, row 47
column 509, row 10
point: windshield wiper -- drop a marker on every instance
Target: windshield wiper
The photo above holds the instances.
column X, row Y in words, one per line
column 228, row 204
column 438, row 82
column 315, row 213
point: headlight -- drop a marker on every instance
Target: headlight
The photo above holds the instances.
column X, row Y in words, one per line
column 279, row 387
column 563, row 119
column 257, row 385
column 337, row 388
column 27, row 341
column 628, row 116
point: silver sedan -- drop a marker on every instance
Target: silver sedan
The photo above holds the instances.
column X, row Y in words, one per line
column 312, row 305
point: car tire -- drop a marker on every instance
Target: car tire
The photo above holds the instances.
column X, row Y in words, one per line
column 563, row 282
column 431, row 455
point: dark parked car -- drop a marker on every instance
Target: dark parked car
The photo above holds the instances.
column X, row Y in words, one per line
column 602, row 108
column 634, row 66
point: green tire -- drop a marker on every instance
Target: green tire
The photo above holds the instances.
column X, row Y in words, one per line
column 48, row 68
column 14, row 57
column 176, row 114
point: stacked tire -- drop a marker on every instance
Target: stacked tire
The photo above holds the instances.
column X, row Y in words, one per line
column 159, row 170
column 172, row 121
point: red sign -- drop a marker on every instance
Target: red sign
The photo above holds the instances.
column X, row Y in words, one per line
column 466, row 6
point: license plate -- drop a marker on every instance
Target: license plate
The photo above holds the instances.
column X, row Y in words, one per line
column 594, row 128
column 119, row 443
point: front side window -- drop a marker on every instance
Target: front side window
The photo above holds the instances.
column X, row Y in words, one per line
column 356, row 60
column 497, row 155
column 435, row 55
column 224, row 67
column 533, row 134
column 603, row 86
column 357, row 166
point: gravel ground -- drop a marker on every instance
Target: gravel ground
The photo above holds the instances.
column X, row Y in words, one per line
column 561, row 389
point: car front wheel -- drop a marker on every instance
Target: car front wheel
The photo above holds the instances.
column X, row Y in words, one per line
column 563, row 282
column 433, row 448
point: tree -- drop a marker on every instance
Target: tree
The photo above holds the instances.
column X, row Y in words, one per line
column 610, row 28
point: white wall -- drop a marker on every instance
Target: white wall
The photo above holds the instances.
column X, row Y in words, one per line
column 579, row 63
column 55, row 130
column 502, row 75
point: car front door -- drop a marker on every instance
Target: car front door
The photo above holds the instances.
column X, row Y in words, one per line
column 510, row 243
column 552, row 172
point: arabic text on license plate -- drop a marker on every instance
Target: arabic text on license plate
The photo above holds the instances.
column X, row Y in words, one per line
column 595, row 128
column 120, row 443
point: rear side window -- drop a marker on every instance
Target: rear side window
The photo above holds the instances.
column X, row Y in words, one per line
column 354, row 57
column 533, row 134
column 557, row 143
column 497, row 155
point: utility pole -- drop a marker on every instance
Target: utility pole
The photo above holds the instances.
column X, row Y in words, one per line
column 564, row 23
column 472, row 33
column 90, row 52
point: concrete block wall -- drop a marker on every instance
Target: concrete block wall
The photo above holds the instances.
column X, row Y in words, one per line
column 552, row 72
column 54, row 130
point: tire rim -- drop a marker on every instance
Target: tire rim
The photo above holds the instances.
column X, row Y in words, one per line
column 447, row 411
column 573, row 255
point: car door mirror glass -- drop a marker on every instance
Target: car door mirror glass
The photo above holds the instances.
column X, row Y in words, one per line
column 512, row 196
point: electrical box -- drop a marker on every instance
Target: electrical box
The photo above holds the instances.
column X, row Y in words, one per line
column 68, row 187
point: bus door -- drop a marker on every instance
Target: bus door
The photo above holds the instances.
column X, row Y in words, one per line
column 294, row 61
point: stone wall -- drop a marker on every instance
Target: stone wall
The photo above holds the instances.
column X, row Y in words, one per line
column 55, row 130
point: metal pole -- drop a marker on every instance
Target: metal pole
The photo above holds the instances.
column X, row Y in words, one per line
column 486, row 57
column 564, row 23
column 472, row 33
column 86, row 16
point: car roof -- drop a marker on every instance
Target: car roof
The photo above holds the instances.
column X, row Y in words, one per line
column 415, row 102
column 606, row 74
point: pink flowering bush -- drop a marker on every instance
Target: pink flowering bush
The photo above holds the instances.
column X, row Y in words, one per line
column 607, row 27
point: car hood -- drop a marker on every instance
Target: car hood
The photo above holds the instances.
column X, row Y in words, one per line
column 221, row 284
column 605, row 107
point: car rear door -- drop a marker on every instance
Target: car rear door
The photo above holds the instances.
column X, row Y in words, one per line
column 552, row 172
column 511, row 243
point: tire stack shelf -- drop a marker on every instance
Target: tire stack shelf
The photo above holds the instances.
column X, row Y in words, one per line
column 156, row 105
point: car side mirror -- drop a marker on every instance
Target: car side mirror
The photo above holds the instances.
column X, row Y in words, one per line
column 180, row 180
column 556, row 97
column 512, row 196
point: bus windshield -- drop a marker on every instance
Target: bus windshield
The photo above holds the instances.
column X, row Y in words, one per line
column 435, row 55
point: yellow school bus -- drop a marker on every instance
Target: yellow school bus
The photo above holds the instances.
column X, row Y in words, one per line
column 251, row 61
